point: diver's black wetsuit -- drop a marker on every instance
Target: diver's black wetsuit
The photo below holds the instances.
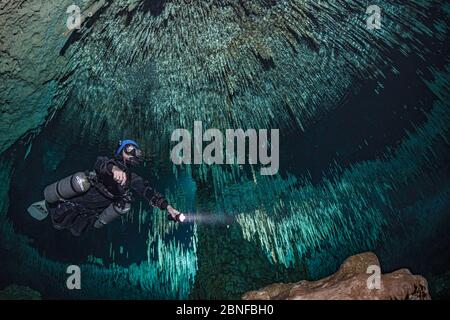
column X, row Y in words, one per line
column 80, row 213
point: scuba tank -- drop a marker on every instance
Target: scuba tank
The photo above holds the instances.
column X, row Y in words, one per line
column 79, row 183
column 111, row 213
column 114, row 210
column 67, row 188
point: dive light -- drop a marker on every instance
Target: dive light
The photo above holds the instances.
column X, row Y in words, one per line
column 178, row 218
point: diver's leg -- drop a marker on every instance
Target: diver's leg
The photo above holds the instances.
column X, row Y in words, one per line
column 71, row 216
column 83, row 222
column 62, row 214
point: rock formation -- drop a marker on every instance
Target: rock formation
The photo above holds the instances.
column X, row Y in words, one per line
column 350, row 282
column 30, row 38
column 16, row 292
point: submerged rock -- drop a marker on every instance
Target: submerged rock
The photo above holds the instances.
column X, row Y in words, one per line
column 15, row 292
column 30, row 37
column 350, row 282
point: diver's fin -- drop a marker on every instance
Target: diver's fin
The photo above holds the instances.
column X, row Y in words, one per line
column 38, row 210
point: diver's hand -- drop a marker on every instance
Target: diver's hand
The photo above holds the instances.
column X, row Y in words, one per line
column 173, row 213
column 119, row 175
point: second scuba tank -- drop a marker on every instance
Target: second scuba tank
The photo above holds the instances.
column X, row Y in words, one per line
column 67, row 188
column 112, row 212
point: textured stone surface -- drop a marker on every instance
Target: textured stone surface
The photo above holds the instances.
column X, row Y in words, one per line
column 30, row 41
column 250, row 64
column 349, row 283
column 15, row 292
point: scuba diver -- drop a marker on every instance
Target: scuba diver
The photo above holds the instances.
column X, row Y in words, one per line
column 93, row 199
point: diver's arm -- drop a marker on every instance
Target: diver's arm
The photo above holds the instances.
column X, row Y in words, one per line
column 155, row 198
column 142, row 187
column 104, row 166
column 119, row 175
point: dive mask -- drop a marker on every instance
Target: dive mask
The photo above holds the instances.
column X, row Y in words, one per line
column 136, row 155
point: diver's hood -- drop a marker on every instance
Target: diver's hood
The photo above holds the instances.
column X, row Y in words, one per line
column 135, row 155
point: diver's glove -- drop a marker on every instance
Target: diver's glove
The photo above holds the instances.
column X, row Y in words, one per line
column 175, row 215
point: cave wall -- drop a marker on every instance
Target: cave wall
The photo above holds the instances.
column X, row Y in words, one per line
column 30, row 63
column 142, row 70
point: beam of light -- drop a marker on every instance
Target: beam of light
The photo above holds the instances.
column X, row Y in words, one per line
column 208, row 218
